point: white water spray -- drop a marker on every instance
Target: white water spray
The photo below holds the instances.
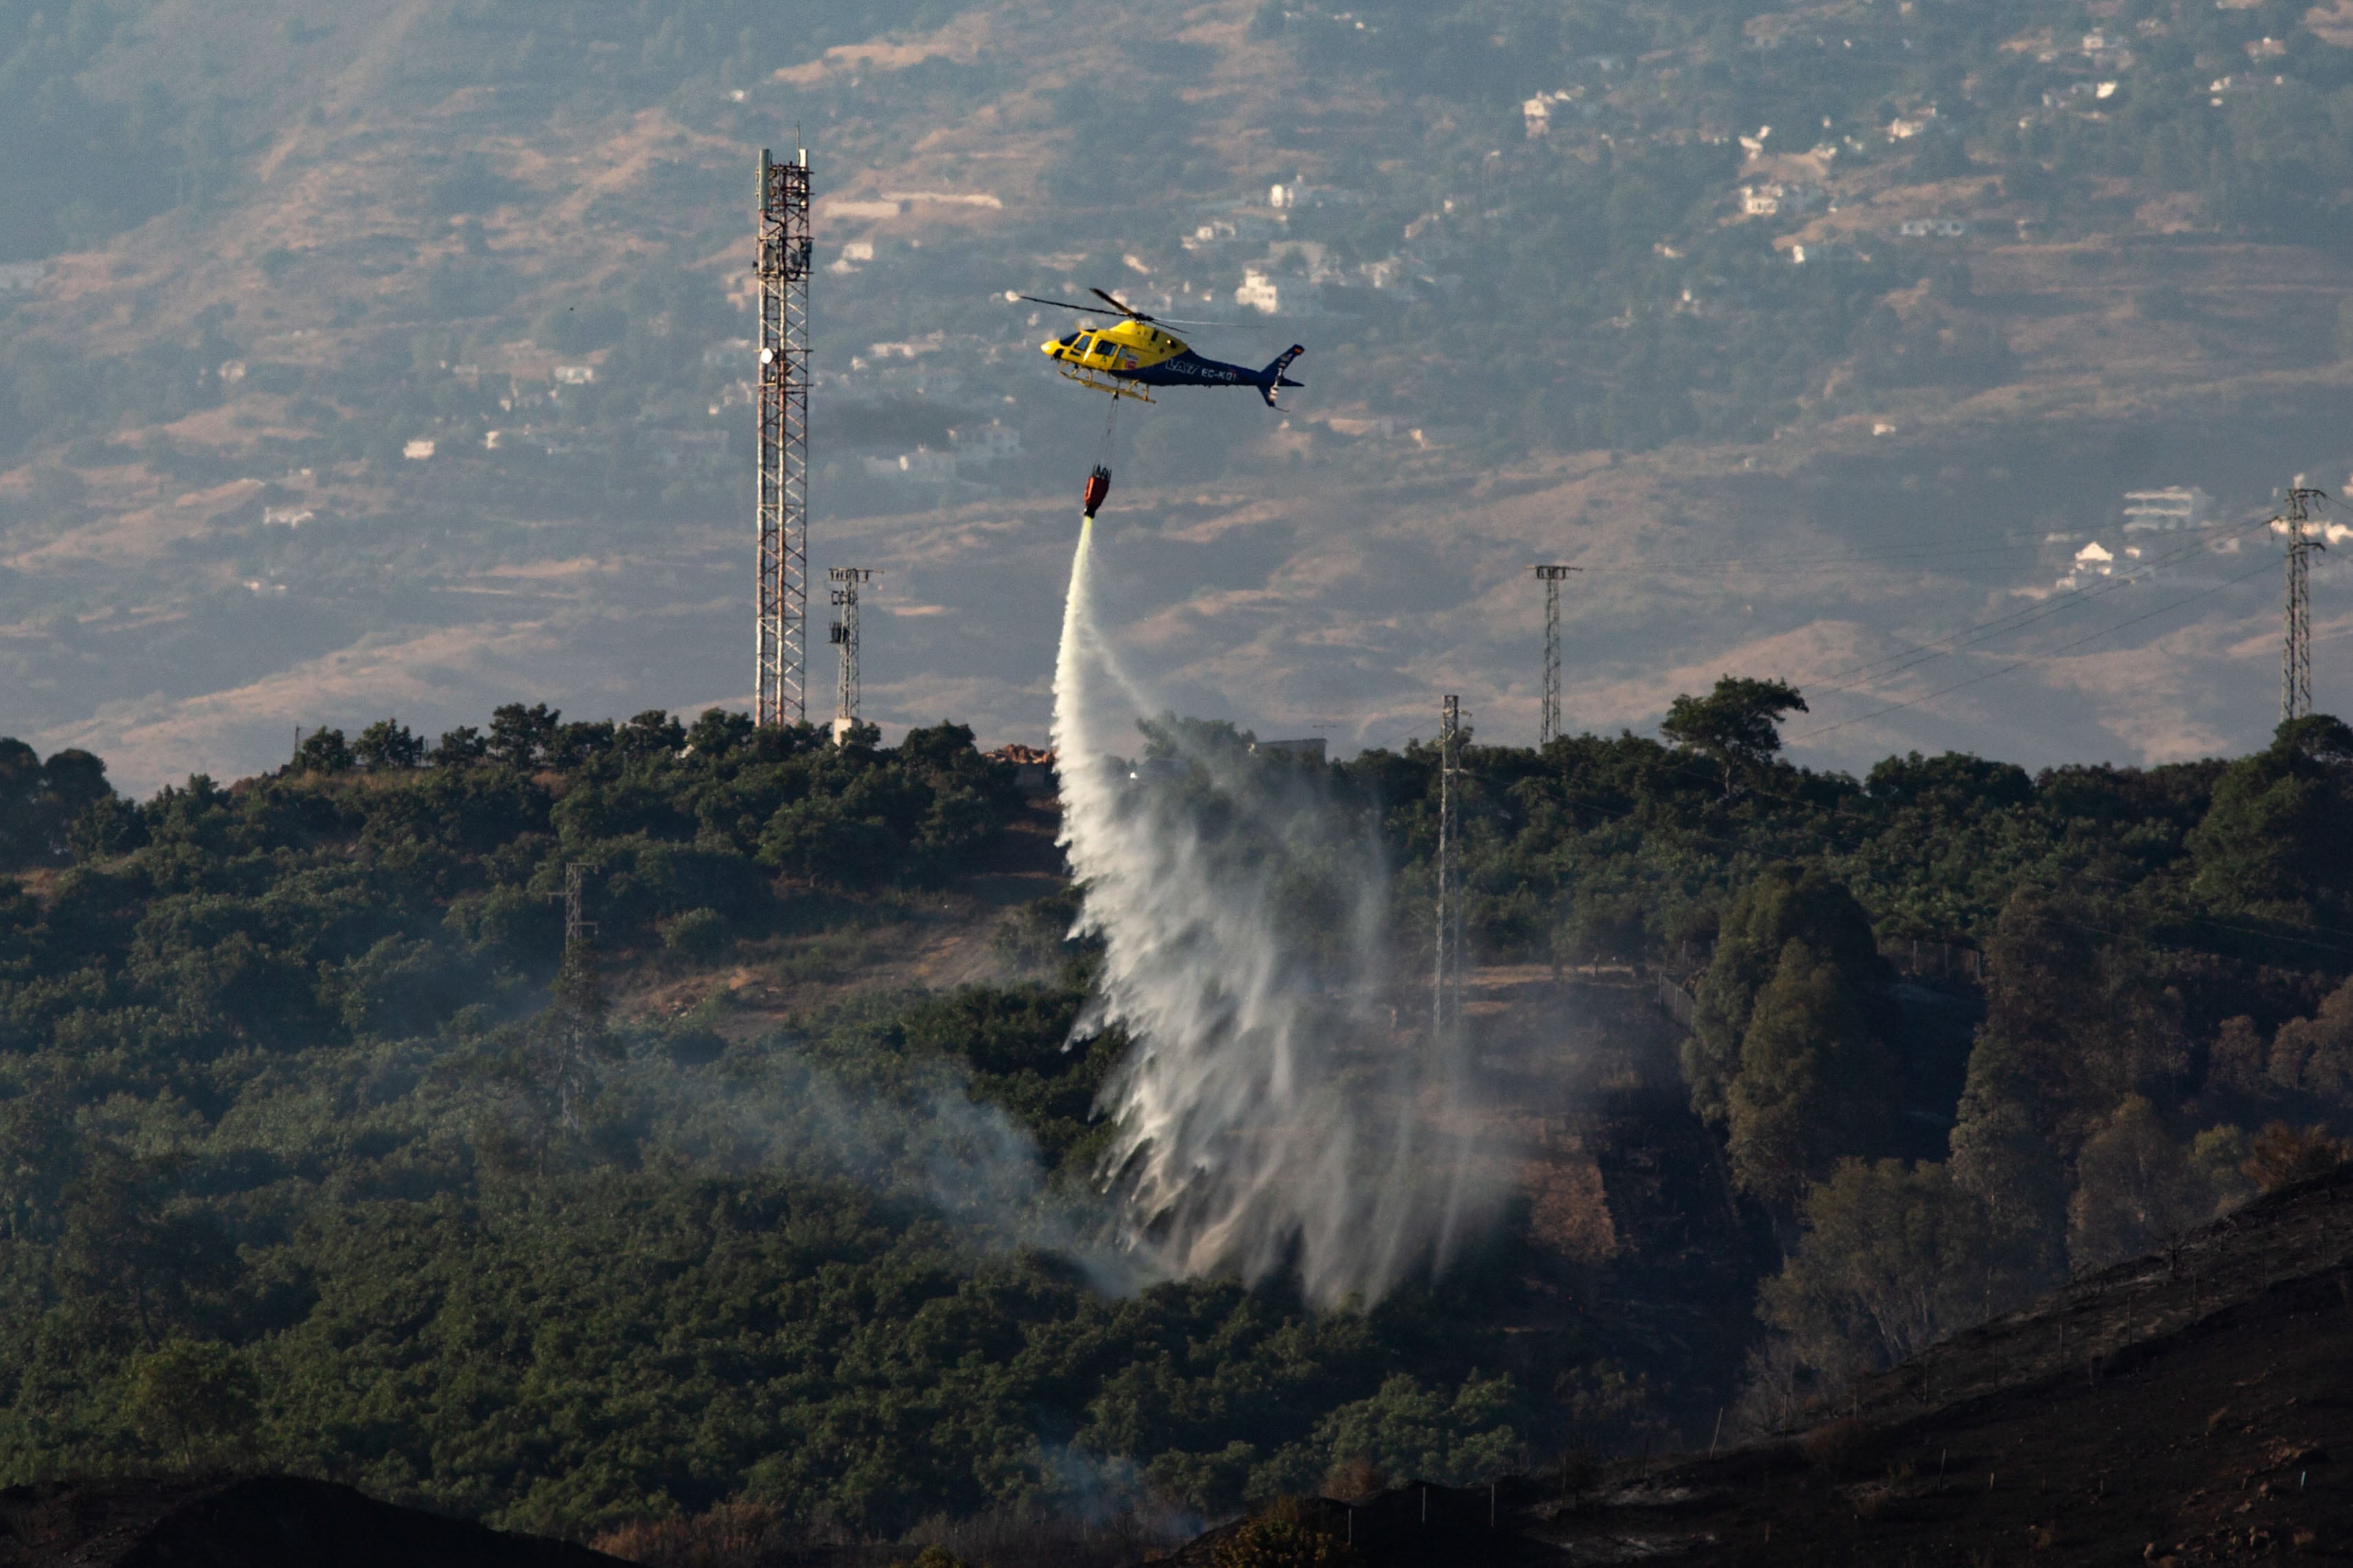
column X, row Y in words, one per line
column 1269, row 1116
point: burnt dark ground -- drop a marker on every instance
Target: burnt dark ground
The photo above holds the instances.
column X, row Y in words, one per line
column 264, row 1521
column 2192, row 1407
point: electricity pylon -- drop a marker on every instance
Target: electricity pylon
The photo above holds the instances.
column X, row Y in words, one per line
column 1548, row 719
column 2296, row 652
column 1446, row 1001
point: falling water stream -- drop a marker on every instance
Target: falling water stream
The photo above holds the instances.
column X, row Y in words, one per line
column 1269, row 1116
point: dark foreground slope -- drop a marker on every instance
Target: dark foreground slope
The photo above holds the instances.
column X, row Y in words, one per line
column 2195, row 1406
column 270, row 1521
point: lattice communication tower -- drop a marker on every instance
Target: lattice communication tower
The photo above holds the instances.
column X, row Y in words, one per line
column 1446, row 982
column 781, row 676
column 2295, row 653
column 1548, row 719
column 843, row 633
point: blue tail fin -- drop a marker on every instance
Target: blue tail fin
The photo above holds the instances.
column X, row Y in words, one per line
column 1270, row 378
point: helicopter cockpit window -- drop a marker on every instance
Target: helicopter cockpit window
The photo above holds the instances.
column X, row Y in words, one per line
column 1086, row 346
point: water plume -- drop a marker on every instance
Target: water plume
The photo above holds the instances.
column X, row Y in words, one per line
column 1270, row 1116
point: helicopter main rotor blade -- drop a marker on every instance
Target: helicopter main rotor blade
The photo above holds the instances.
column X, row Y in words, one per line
column 1116, row 305
column 1067, row 305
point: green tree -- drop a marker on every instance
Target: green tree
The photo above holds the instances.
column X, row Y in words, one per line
column 460, row 747
column 2283, row 1155
column 2136, row 1189
column 323, row 751
column 2315, row 1055
column 1892, row 1258
column 2277, row 840
column 1283, row 1535
column 1815, row 1085
column 523, row 737
column 2071, row 1027
column 191, row 1397
column 1785, row 902
column 1737, row 726
column 386, row 744
column 1425, row 1434
column 2001, row 1157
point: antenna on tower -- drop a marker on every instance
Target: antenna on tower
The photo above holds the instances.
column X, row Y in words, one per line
column 1548, row 718
column 782, row 598
column 2296, row 652
column 843, row 633
column 1446, row 982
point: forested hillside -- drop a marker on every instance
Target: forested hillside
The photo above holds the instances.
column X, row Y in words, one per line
column 318, row 1152
column 365, row 361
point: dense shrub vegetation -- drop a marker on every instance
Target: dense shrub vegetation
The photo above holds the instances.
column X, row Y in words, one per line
column 316, row 1151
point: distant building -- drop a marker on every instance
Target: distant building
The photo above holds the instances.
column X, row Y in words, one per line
column 574, row 374
column 286, row 516
column 1258, row 292
column 417, row 451
column 1297, row 195
column 1242, row 227
column 1932, row 229
column 1537, row 114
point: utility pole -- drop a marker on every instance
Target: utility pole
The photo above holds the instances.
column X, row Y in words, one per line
column 2296, row 652
column 575, row 1032
column 782, row 598
column 1548, row 719
column 1446, row 999
column 844, row 635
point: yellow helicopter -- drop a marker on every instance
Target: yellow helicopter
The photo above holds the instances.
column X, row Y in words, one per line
column 1134, row 354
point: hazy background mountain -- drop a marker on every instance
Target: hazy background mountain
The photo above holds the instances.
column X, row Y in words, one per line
column 261, row 252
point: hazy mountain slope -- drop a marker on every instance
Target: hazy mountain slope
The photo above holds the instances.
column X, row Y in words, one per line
column 1860, row 453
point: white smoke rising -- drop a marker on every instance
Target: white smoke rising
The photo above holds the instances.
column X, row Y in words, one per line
column 1267, row 1117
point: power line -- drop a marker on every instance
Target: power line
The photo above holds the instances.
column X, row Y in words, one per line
column 2032, row 658
column 2019, row 619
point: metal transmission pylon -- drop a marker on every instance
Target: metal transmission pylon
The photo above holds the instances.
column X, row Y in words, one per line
column 2295, row 653
column 577, row 930
column 780, row 674
column 844, row 635
column 1548, row 719
column 1446, row 982
column 561, row 1052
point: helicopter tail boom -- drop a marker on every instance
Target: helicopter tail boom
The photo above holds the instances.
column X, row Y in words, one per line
column 1270, row 380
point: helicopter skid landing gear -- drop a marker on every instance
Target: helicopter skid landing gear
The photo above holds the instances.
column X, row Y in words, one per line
column 1086, row 377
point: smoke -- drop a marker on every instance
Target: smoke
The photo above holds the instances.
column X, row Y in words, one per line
column 1268, row 1117
column 912, row 1132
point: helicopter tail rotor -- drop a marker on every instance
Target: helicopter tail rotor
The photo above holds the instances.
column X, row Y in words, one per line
column 1270, row 380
